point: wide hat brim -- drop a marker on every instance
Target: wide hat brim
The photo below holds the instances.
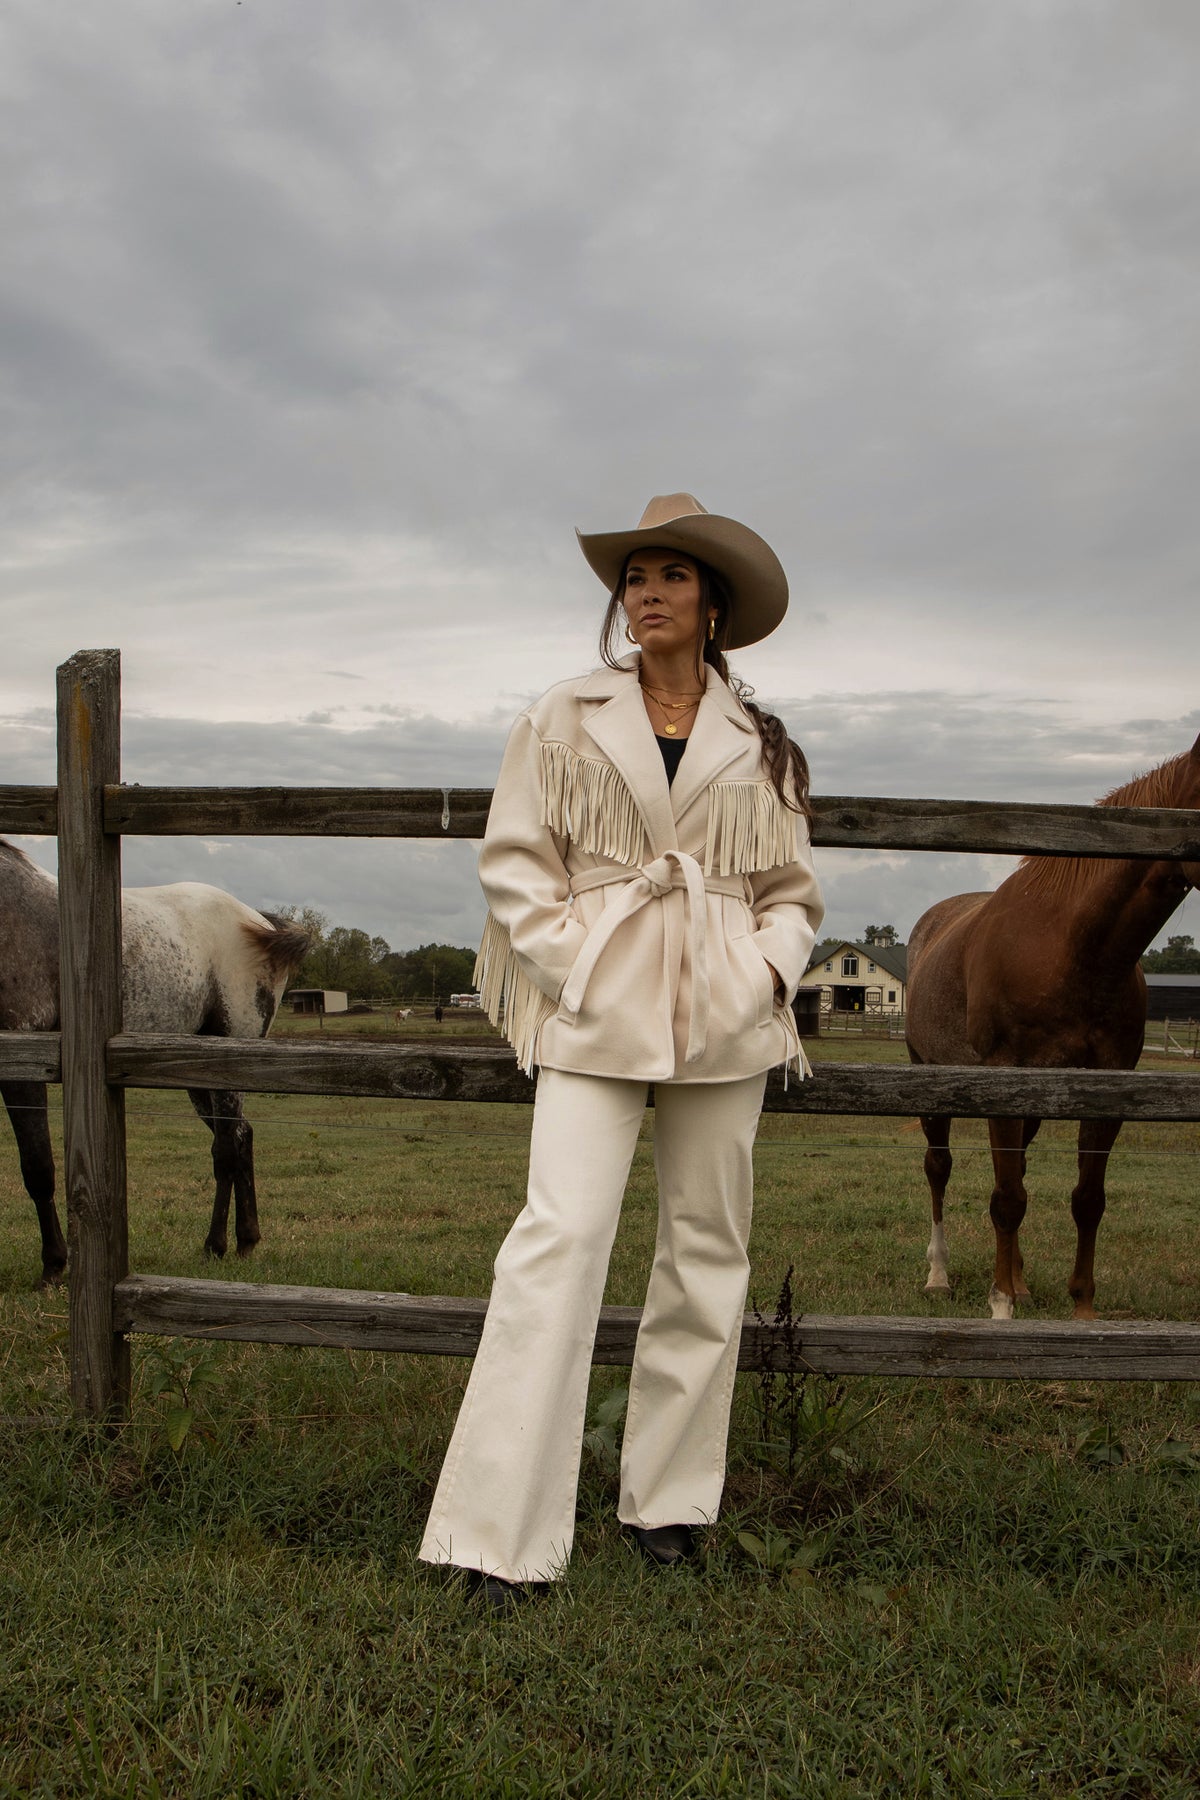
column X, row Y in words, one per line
column 678, row 522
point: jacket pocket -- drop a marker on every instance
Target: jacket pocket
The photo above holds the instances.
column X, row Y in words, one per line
column 748, row 957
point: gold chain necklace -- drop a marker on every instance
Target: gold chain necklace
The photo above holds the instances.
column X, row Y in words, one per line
column 656, row 691
column 674, row 705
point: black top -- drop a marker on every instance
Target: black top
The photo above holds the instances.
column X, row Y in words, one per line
column 672, row 754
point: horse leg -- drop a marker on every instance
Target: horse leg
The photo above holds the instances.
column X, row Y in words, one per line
column 938, row 1164
column 1096, row 1139
column 1020, row 1291
column 245, row 1195
column 26, row 1104
column 1008, row 1138
column 233, row 1169
column 217, row 1241
column 233, row 1143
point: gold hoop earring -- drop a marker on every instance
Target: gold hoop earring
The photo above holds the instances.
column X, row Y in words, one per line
column 712, row 630
column 629, row 633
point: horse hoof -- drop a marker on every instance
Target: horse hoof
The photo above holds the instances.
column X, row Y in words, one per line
column 217, row 1250
column 1001, row 1304
column 247, row 1249
column 940, row 1287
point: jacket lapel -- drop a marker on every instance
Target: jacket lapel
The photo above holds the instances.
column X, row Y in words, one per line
column 616, row 722
column 718, row 738
column 618, row 725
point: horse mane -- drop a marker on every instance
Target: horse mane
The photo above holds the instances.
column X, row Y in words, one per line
column 282, row 947
column 1158, row 787
column 1066, row 875
column 17, row 854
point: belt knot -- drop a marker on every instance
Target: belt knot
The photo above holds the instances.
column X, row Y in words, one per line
column 659, row 874
column 647, row 882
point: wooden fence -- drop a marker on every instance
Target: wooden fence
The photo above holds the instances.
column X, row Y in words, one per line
column 90, row 811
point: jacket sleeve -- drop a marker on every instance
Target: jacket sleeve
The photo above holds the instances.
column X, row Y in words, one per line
column 522, row 872
column 788, row 909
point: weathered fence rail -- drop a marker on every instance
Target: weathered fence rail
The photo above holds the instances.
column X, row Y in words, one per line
column 31, row 809
column 877, row 823
column 414, row 1072
column 30, row 1056
column 90, row 811
column 490, row 1072
column 444, row 1325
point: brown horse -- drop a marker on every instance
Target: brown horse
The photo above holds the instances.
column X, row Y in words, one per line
column 1043, row 973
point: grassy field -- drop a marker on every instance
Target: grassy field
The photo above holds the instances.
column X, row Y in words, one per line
column 955, row 1589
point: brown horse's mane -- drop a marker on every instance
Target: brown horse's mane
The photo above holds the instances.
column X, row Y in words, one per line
column 1064, row 875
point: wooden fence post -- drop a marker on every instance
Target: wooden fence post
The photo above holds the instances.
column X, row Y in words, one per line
column 89, row 898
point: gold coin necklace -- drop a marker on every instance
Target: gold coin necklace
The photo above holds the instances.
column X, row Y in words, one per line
column 680, row 707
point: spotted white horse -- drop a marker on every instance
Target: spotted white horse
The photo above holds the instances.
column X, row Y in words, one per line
column 195, row 960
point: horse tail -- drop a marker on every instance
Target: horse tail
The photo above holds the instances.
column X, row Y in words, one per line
column 281, row 947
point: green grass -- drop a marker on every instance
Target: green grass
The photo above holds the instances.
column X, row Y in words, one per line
column 458, row 1024
column 980, row 1588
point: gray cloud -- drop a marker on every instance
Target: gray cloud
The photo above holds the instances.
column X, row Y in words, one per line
column 322, row 327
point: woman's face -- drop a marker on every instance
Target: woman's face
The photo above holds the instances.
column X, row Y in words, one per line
column 662, row 600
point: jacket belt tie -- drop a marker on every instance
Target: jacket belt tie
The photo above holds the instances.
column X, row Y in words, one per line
column 652, row 881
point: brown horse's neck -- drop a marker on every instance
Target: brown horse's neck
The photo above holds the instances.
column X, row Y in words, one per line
column 1115, row 909
column 1127, row 906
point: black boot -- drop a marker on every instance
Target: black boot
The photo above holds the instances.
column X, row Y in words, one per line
column 665, row 1545
column 501, row 1595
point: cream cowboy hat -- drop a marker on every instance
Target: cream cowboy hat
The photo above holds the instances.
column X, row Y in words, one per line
column 679, row 522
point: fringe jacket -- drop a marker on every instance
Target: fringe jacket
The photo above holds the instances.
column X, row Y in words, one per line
column 631, row 923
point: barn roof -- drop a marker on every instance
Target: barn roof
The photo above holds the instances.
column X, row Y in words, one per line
column 891, row 957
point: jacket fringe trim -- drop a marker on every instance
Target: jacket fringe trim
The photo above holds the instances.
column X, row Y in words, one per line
column 511, row 1001
column 749, row 828
column 585, row 798
column 795, row 1062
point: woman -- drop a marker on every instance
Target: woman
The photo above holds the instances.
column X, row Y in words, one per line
column 652, row 909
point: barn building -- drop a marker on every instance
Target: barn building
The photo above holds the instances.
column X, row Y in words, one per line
column 858, row 978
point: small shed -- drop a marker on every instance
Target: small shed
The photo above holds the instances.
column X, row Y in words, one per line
column 1173, row 996
column 807, row 1009
column 318, row 1000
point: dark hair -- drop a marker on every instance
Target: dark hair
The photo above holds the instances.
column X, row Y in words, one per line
column 782, row 757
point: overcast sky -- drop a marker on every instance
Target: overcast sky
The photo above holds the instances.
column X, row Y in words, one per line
column 323, row 327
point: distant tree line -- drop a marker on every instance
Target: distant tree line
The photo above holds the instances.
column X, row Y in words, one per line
column 1180, row 957
column 367, row 968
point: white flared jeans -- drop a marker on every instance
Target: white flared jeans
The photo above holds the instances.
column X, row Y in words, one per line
column 505, row 1502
